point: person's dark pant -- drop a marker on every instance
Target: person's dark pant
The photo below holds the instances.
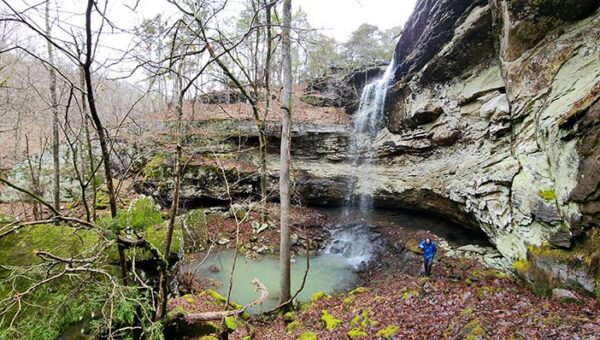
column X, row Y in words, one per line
column 427, row 264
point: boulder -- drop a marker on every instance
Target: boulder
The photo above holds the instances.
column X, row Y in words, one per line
column 565, row 295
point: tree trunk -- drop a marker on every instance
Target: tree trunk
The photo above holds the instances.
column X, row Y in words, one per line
column 175, row 203
column 263, row 146
column 102, row 138
column 54, row 108
column 91, row 167
column 284, row 173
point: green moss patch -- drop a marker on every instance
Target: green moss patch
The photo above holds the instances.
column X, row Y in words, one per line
column 307, row 336
column 329, row 321
column 386, row 332
column 548, row 195
column 357, row 333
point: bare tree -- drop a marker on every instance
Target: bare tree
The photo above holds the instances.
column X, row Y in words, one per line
column 284, row 173
column 54, row 108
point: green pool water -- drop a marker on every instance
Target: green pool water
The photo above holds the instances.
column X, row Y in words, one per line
column 328, row 273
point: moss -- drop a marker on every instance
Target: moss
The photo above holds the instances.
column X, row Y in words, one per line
column 468, row 311
column 208, row 337
column 548, row 195
column 102, row 200
column 307, row 336
column 473, row 330
column 195, row 238
column 406, row 293
column 20, row 248
column 6, row 219
column 188, row 298
column 329, row 321
column 220, row 299
column 230, row 324
column 154, row 167
column 386, row 332
column 483, row 274
column 178, row 311
column 485, row 290
column 318, row 296
column 291, row 327
column 567, row 300
column 521, row 265
column 362, row 320
column 289, row 317
column 157, row 236
column 356, row 333
column 348, row 301
column 358, row 290
column 143, row 213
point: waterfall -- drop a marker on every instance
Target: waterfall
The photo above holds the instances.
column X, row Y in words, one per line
column 356, row 241
column 367, row 122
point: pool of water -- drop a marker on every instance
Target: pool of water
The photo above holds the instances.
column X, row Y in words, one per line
column 328, row 273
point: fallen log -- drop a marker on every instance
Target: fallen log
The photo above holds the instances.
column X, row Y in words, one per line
column 194, row 318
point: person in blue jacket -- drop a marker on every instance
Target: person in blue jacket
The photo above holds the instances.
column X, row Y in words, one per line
column 429, row 251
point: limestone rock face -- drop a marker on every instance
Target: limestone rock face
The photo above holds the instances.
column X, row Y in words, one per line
column 492, row 121
column 504, row 97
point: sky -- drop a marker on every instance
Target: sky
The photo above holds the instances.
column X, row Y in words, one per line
column 338, row 18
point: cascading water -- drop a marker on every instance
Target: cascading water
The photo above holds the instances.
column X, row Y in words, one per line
column 355, row 240
column 365, row 126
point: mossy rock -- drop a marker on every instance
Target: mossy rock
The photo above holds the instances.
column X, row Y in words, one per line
column 357, row 333
column 387, row 332
column 474, row 330
column 143, row 213
column 329, row 321
column 307, row 336
column 484, row 274
column 195, row 235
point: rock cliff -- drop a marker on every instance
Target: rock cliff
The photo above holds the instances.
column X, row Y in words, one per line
column 493, row 121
